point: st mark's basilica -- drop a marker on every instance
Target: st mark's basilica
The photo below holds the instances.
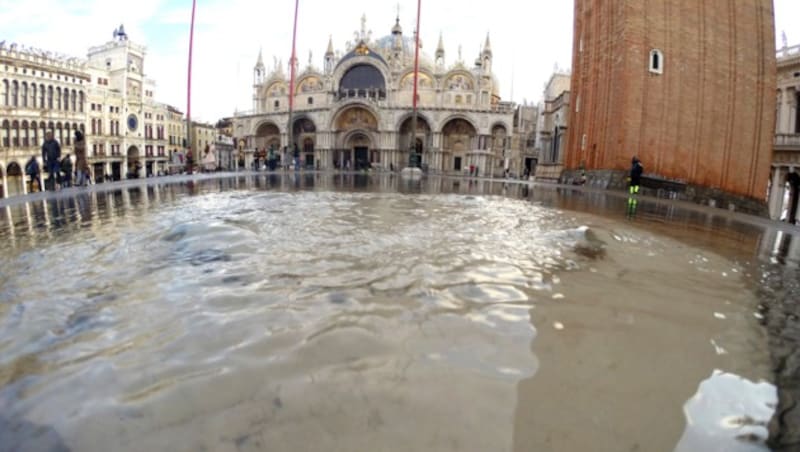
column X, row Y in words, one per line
column 357, row 111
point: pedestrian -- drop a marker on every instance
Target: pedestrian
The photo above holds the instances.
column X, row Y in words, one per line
column 636, row 175
column 272, row 159
column 51, row 154
column 81, row 163
column 296, row 155
column 66, row 168
column 32, row 170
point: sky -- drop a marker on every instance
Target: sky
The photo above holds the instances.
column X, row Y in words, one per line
column 529, row 38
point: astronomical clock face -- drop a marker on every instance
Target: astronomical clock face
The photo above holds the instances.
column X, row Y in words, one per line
column 133, row 122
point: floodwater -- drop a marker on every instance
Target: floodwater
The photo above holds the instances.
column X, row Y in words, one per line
column 348, row 313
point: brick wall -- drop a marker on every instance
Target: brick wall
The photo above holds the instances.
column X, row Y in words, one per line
column 707, row 120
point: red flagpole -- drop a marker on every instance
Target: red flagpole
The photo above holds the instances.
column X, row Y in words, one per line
column 189, row 86
column 416, row 58
column 416, row 81
column 292, row 65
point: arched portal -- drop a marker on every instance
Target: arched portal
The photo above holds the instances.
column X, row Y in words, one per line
column 354, row 128
column 304, row 137
column 457, row 138
column 268, row 135
column 499, row 145
column 421, row 139
column 359, row 143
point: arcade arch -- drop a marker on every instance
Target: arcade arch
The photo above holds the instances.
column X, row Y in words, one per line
column 458, row 137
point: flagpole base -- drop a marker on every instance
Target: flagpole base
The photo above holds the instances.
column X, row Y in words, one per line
column 411, row 173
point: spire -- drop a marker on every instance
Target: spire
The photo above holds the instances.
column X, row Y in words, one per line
column 260, row 62
column 329, row 56
column 487, row 48
column 440, row 53
column 330, row 46
column 397, row 29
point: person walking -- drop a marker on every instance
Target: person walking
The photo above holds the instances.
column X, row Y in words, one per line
column 81, row 163
column 51, row 155
column 66, row 168
column 32, row 170
column 635, row 180
column 636, row 175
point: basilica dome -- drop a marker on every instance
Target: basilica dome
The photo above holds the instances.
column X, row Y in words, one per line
column 385, row 46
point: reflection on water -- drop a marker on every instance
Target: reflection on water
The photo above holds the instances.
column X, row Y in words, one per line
column 343, row 312
column 727, row 414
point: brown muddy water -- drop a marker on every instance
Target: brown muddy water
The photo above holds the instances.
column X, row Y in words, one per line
column 349, row 313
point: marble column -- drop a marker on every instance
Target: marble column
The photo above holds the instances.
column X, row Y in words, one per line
column 776, row 192
column 791, row 116
column 783, row 113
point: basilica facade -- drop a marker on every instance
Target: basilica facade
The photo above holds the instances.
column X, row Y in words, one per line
column 357, row 111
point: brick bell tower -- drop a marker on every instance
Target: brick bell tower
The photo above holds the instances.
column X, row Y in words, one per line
column 688, row 86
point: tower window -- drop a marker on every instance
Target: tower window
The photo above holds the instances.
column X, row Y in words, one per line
column 656, row 61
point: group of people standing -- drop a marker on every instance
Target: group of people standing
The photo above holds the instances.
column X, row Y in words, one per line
column 60, row 171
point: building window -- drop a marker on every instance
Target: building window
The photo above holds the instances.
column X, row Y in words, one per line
column 277, row 104
column 15, row 94
column 310, row 101
column 656, row 61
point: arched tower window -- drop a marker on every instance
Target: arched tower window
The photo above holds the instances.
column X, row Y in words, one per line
column 656, row 61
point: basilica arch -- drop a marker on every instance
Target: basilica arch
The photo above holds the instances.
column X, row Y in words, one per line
column 362, row 80
column 423, row 137
column 304, row 137
column 355, row 128
column 458, row 139
column 268, row 134
column 500, row 143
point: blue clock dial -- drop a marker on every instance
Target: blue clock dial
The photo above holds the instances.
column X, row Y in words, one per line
column 133, row 123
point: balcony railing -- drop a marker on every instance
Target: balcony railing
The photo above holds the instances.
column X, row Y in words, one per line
column 788, row 51
column 787, row 140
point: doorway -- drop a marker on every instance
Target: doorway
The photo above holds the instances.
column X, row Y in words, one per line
column 457, row 163
column 99, row 176
column 361, row 157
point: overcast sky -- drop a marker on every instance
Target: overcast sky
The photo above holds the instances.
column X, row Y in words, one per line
column 529, row 38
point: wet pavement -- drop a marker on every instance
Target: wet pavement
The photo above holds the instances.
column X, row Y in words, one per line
column 319, row 311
